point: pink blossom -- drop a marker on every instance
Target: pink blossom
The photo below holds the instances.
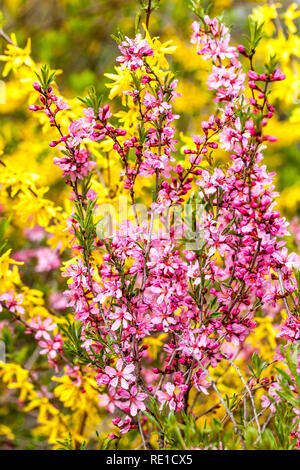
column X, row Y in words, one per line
column 120, row 375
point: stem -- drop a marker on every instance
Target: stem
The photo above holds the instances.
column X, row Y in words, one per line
column 81, row 428
column 236, row 427
column 148, row 14
column 283, row 292
column 249, row 393
column 142, row 432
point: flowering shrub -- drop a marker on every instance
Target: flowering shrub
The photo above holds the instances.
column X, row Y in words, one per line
column 159, row 311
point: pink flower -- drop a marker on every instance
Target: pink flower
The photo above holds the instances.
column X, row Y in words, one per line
column 135, row 400
column 110, row 400
column 11, row 302
column 168, row 396
column 290, row 329
column 42, row 327
column 51, row 347
column 133, row 51
column 121, row 317
column 174, row 401
column 120, row 376
column 200, row 382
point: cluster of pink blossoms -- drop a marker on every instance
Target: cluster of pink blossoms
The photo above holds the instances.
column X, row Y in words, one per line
column 133, row 52
column 42, row 330
column 12, row 303
column 148, row 283
column 46, row 258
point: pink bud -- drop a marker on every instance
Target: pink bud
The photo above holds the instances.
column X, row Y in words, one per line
column 270, row 138
column 252, row 75
column 278, row 75
column 115, row 421
column 145, row 79
column 179, row 169
column 190, row 256
column 34, row 107
column 36, row 86
column 212, row 145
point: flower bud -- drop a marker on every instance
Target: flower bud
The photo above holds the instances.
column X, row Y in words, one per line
column 37, row 86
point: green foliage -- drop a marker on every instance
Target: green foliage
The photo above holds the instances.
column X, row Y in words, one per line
column 118, row 36
column 256, row 35
column 46, row 77
column 85, row 233
column 272, row 64
column 257, row 365
column 73, row 332
column 201, row 8
column 4, row 224
column 92, row 100
column 66, row 444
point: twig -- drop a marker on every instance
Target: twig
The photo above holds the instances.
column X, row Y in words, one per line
column 148, row 14
column 236, row 427
column 163, row 376
column 249, row 393
column 283, row 292
column 141, row 432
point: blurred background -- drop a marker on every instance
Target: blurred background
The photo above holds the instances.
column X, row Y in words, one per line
column 75, row 37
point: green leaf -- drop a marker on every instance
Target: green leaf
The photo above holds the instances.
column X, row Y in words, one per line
column 46, row 77
column 92, row 100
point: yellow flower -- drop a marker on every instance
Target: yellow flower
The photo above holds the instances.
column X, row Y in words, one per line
column 265, row 14
column 160, row 50
column 121, row 82
column 15, row 56
column 289, row 16
column 78, row 396
column 35, row 209
column 154, row 344
column 45, row 408
column 6, row 431
column 16, row 378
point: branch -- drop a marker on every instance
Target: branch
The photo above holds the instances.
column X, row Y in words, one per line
column 148, row 14
column 249, row 393
column 283, row 292
column 236, row 427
